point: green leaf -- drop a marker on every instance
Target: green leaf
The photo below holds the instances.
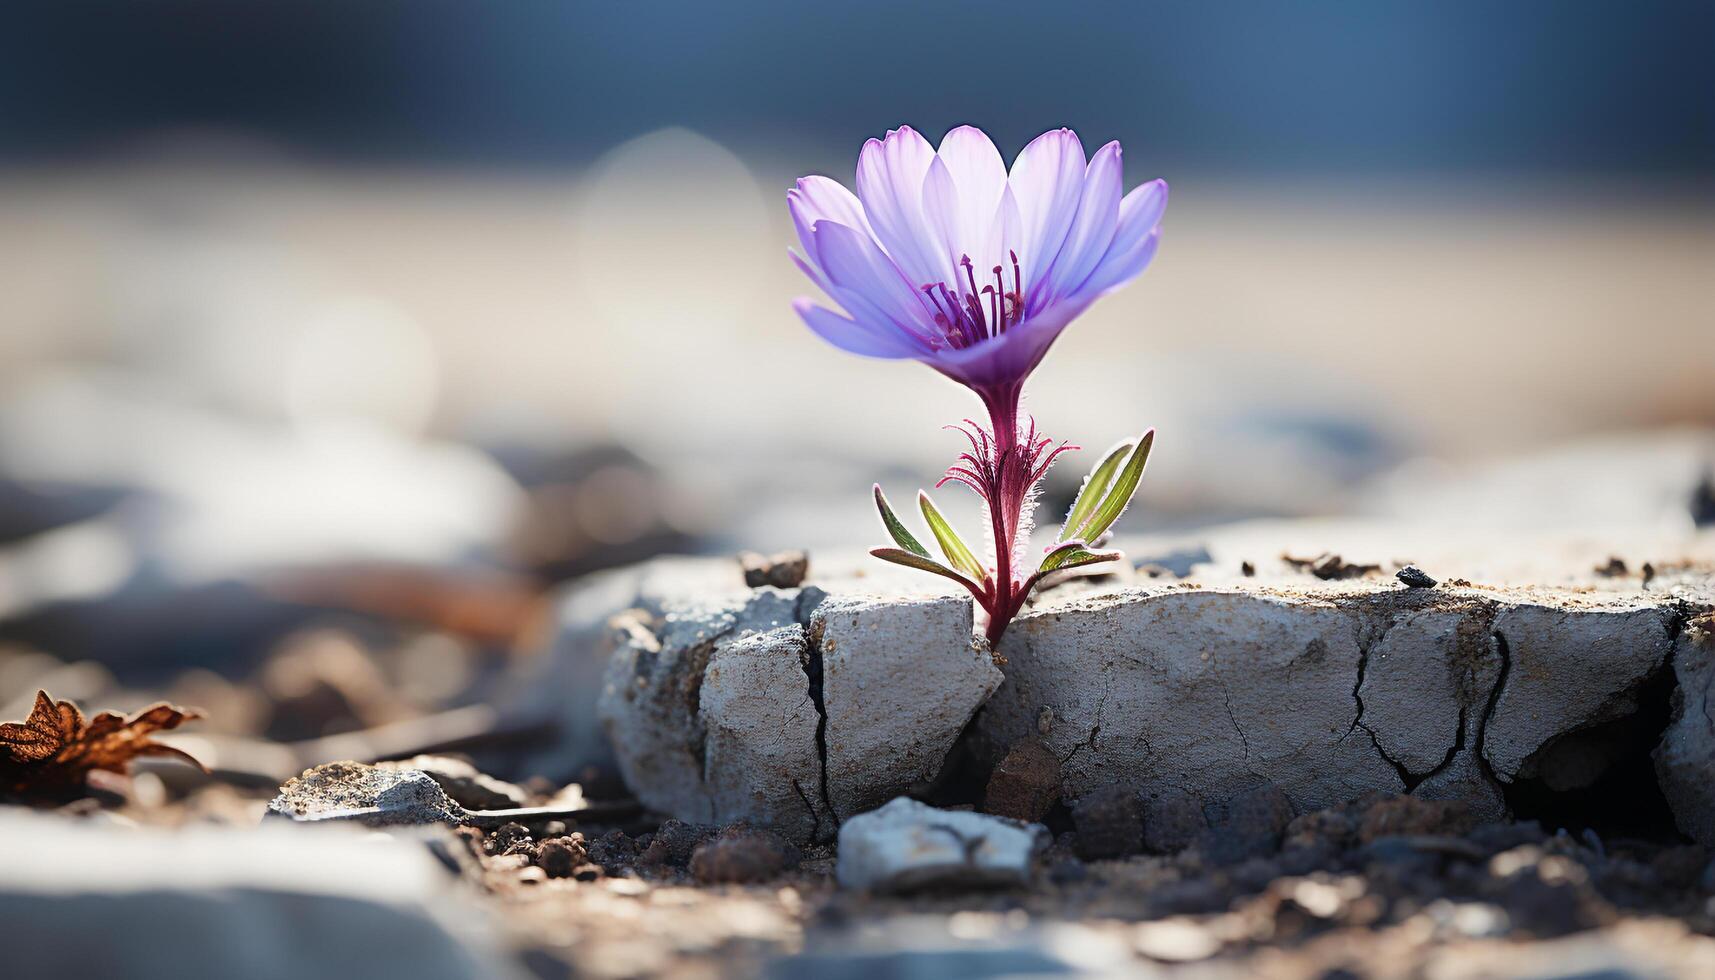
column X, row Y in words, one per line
column 909, row 560
column 1071, row 555
column 1119, row 494
column 1080, row 558
column 958, row 555
column 1052, row 559
column 895, row 528
column 1094, row 486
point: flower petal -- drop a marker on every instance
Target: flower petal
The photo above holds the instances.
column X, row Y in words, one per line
column 890, row 176
column 852, row 261
column 1120, row 267
column 980, row 176
column 817, row 198
column 850, row 335
column 1047, row 178
column 1093, row 228
column 1140, row 213
column 857, row 306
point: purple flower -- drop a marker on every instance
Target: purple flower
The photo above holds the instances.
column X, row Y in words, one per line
column 944, row 257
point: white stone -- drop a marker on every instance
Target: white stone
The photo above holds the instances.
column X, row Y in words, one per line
column 907, row 845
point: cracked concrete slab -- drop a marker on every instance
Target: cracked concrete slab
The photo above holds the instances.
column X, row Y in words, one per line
column 1325, row 689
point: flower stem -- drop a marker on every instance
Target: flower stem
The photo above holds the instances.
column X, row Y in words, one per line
column 1006, row 505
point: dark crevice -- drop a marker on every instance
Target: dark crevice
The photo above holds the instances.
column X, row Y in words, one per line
column 1625, row 800
column 1364, row 644
column 1480, row 749
column 812, row 664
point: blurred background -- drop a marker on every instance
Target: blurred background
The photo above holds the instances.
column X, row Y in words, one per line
column 333, row 337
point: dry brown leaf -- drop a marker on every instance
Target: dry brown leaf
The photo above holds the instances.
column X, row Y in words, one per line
column 47, row 757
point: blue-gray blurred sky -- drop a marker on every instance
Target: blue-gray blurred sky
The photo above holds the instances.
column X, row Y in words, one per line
column 1547, row 86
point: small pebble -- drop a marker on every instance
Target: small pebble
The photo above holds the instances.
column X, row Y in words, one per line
column 785, row 570
column 1415, row 578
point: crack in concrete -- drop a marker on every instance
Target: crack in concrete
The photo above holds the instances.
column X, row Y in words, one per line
column 1365, row 643
column 1244, row 743
column 812, row 665
column 1479, row 750
column 1101, row 707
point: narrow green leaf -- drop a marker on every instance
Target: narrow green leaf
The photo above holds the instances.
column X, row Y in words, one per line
column 1074, row 555
column 1094, row 486
column 1052, row 559
column 895, row 528
column 958, row 555
column 1119, row 494
column 1080, row 558
column 909, row 560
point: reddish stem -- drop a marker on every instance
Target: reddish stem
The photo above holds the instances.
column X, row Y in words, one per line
column 1006, row 504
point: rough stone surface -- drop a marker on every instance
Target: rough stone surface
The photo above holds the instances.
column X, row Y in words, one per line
column 907, row 845
column 1209, row 691
column 651, row 703
column 1329, row 690
column 900, row 680
column 364, row 794
column 761, row 762
column 1685, row 759
column 726, row 710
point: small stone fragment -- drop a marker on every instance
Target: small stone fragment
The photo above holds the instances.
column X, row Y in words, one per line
column 1026, row 783
column 1409, row 815
column 506, row 837
column 674, row 843
column 1110, row 824
column 1247, row 569
column 783, row 570
column 1415, row 578
column 1172, row 820
column 742, row 856
column 338, row 791
column 906, row 845
column 614, row 851
column 1615, row 567
column 1329, row 566
column 562, row 856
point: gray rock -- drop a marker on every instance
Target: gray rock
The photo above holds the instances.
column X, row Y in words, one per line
column 715, row 708
column 900, row 680
column 761, row 763
column 208, row 903
column 1685, row 759
column 1211, row 691
column 651, row 697
column 365, row 794
column 906, row 845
